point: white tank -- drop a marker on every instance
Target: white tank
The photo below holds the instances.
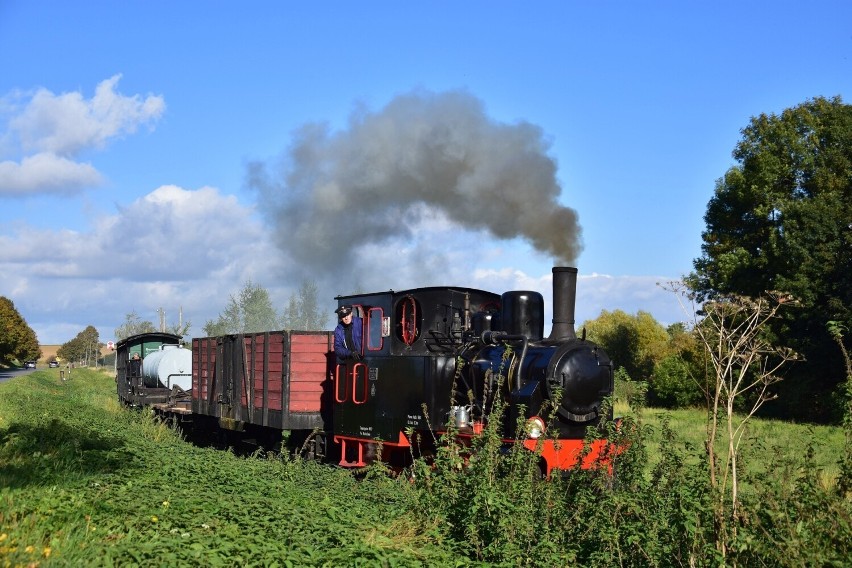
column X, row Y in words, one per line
column 168, row 367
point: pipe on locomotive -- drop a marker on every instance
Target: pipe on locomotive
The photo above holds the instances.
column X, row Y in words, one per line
column 495, row 337
column 564, row 300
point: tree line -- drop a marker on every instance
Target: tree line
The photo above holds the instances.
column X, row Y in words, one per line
column 84, row 349
column 778, row 229
column 250, row 310
column 18, row 341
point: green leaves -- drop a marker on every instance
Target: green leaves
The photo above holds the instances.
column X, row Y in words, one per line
column 85, row 348
column 17, row 338
column 781, row 219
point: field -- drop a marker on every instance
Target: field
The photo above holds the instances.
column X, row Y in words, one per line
column 84, row 482
column 48, row 352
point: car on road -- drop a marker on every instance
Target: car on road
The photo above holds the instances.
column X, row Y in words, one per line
column 30, row 364
column 53, row 364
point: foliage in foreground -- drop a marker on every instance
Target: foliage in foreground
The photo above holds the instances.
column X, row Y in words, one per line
column 657, row 511
column 85, row 483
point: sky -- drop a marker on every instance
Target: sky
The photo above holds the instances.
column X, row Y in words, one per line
column 160, row 155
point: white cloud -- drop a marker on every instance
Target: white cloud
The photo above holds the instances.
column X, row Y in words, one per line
column 169, row 234
column 172, row 247
column 176, row 248
column 46, row 133
column 46, row 173
column 595, row 292
column 67, row 124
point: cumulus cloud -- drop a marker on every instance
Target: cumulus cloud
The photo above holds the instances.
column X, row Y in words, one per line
column 46, row 173
column 45, row 133
column 170, row 248
column 595, row 293
column 169, row 234
column 191, row 249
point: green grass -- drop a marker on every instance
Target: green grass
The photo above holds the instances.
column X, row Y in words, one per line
column 84, row 482
column 766, row 444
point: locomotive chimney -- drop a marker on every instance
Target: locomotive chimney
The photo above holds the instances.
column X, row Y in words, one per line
column 564, row 300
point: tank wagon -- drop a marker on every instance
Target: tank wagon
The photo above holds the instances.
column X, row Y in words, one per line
column 153, row 369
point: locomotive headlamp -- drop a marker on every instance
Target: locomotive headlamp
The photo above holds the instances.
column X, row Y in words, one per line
column 535, row 427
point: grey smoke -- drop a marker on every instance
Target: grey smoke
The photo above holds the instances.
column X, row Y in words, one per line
column 370, row 182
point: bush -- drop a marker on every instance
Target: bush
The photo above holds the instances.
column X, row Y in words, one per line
column 673, row 385
column 630, row 392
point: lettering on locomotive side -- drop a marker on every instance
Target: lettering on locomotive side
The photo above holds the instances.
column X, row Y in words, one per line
column 366, row 431
column 412, row 420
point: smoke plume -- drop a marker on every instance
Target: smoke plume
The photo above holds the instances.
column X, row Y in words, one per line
column 335, row 193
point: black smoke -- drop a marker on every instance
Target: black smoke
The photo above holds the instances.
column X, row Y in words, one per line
column 335, row 192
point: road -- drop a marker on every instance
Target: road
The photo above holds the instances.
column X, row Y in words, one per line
column 6, row 374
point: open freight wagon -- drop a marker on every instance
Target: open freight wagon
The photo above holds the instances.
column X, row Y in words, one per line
column 261, row 384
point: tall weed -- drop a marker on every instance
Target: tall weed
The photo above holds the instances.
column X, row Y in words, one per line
column 657, row 510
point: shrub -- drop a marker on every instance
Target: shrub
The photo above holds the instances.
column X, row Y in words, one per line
column 673, row 384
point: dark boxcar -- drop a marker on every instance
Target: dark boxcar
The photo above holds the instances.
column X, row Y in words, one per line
column 264, row 382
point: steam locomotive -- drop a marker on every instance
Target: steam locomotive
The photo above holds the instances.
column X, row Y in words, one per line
column 432, row 358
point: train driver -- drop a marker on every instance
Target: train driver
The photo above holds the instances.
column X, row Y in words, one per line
column 347, row 335
column 136, row 365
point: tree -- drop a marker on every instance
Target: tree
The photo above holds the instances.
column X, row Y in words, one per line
column 302, row 311
column 17, row 338
column 635, row 343
column 133, row 325
column 84, row 349
column 680, row 377
column 781, row 219
column 181, row 328
column 250, row 312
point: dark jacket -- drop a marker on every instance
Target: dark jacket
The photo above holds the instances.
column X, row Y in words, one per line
column 341, row 349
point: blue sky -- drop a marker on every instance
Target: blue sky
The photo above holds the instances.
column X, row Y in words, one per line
column 128, row 131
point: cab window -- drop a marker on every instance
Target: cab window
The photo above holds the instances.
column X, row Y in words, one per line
column 408, row 320
column 375, row 318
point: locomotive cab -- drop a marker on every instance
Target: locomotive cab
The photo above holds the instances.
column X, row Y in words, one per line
column 411, row 339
